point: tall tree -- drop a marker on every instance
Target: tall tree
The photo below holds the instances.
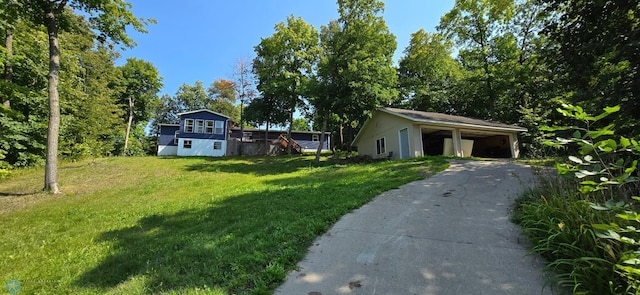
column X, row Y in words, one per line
column 222, row 97
column 192, row 97
column 476, row 25
column 243, row 82
column 285, row 62
column 594, row 49
column 138, row 87
column 362, row 60
column 427, row 72
column 111, row 18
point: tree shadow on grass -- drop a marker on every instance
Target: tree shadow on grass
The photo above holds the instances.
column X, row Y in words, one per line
column 245, row 243
column 242, row 244
column 253, row 165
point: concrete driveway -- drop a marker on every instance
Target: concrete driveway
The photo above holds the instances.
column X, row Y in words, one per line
column 448, row 234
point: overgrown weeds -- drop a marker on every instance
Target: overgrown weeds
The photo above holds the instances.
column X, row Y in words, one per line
column 585, row 220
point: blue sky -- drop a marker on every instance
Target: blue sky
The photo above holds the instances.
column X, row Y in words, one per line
column 203, row 39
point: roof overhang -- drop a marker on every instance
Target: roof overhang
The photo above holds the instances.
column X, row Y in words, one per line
column 204, row 110
column 506, row 128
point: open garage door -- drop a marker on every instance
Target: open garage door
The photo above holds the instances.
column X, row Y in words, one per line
column 475, row 143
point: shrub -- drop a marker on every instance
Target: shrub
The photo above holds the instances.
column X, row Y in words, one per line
column 584, row 224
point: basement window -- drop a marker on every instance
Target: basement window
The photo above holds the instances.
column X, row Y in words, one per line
column 217, row 145
column 186, row 144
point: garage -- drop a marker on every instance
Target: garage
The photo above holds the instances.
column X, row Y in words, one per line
column 400, row 133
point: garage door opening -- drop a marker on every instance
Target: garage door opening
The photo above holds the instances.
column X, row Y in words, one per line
column 438, row 142
column 433, row 141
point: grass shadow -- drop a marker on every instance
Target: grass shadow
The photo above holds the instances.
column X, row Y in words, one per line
column 258, row 165
column 244, row 243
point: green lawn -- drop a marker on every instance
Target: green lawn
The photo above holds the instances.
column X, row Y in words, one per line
column 180, row 225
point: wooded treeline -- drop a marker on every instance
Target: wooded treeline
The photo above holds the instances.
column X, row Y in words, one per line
column 512, row 61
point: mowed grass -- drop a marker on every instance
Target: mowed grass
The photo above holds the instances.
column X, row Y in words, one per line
column 180, row 225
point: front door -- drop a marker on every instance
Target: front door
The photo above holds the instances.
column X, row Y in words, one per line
column 404, row 144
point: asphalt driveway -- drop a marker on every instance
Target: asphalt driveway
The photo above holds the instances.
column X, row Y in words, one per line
column 448, row 234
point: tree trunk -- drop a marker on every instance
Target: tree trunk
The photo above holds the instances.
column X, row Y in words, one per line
column 289, row 131
column 8, row 65
column 323, row 129
column 266, row 140
column 129, row 122
column 51, row 166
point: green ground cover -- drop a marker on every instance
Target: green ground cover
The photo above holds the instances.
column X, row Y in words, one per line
column 180, row 225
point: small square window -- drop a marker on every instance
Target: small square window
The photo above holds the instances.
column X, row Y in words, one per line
column 208, row 127
column 217, row 145
column 315, row 137
column 199, row 126
column 188, row 125
column 186, row 144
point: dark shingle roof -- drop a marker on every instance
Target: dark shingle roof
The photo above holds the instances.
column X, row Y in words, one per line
column 429, row 117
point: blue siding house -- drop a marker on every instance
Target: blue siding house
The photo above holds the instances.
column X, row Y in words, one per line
column 200, row 133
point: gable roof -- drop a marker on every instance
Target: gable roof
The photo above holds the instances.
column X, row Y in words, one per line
column 444, row 119
column 203, row 110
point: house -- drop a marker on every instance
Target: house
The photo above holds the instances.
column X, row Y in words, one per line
column 253, row 141
column 200, row 133
column 401, row 134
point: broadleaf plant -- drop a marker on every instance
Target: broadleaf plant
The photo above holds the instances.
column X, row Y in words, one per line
column 606, row 162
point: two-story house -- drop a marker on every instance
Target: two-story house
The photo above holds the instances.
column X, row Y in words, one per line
column 200, row 133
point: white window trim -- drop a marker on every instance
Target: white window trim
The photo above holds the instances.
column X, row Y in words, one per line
column 209, row 126
column 184, row 144
column 315, row 137
column 199, row 126
column 219, row 129
column 188, row 123
column 176, row 136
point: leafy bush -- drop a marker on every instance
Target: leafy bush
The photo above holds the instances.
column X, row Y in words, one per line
column 584, row 225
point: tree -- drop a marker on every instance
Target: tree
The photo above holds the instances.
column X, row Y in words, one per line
column 110, row 18
column 427, row 72
column 138, row 87
column 359, row 64
column 222, row 95
column 593, row 48
column 244, row 88
column 300, row 124
column 285, row 62
column 475, row 25
column 191, row 97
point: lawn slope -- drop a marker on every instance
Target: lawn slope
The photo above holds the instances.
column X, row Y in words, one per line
column 180, row 225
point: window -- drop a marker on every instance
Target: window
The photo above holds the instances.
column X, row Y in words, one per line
column 217, row 145
column 219, row 127
column 186, row 144
column 315, row 137
column 380, row 148
column 199, row 126
column 188, row 125
column 208, row 127
column 175, row 137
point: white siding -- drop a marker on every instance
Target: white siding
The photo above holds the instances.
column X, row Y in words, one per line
column 167, row 150
column 201, row 147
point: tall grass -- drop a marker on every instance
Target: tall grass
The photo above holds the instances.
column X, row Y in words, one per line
column 558, row 220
